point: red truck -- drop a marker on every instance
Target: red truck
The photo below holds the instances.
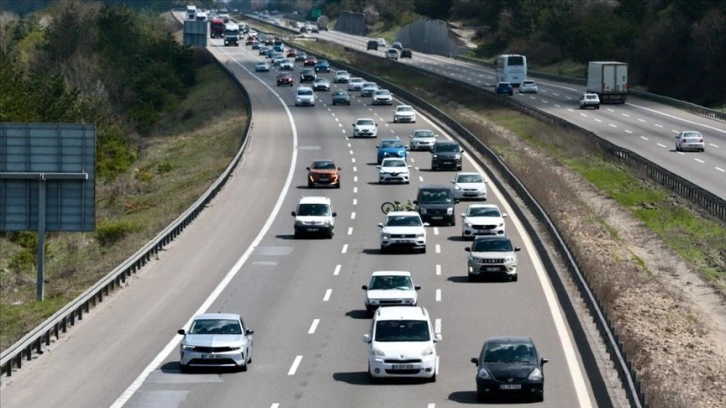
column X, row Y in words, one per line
column 216, row 28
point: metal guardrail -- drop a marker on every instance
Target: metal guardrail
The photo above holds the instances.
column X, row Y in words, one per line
column 683, row 105
column 52, row 328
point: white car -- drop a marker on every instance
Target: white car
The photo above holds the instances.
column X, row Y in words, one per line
column 402, row 343
column 368, row 88
column 382, row 97
column 469, row 186
column 355, row 83
column 393, row 170
column 589, row 100
column 392, row 54
column 314, row 215
column 528, row 86
column 287, row 65
column 341, row 76
column 404, row 113
column 381, row 42
column 216, row 339
column 305, row 96
column 390, row 288
column 422, row 139
column 482, row 219
column 262, row 66
column 690, row 140
column 492, row 255
column 403, row 229
column 365, row 127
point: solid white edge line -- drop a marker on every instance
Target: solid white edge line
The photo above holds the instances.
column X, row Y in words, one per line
column 294, row 366
column 139, row 381
column 578, row 379
column 313, row 326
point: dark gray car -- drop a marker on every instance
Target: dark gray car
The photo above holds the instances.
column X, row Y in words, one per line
column 446, row 154
column 341, row 98
column 435, row 203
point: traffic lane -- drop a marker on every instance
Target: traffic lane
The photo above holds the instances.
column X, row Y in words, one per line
column 163, row 296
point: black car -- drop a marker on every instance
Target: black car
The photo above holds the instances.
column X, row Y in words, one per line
column 504, row 88
column 446, row 154
column 307, row 75
column 406, row 53
column 341, row 98
column 322, row 66
column 435, row 203
column 372, row 45
column 300, row 57
column 509, row 366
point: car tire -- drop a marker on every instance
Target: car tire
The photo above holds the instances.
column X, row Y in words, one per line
column 337, row 185
column 330, row 234
column 183, row 368
column 423, row 250
column 471, row 278
column 384, row 250
column 297, row 235
column 481, row 397
column 372, row 379
column 538, row 398
column 432, row 379
column 515, row 278
column 243, row 367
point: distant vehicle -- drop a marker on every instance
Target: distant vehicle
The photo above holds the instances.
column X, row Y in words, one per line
column 322, row 66
column 391, row 147
column 690, row 140
column 393, row 170
column 406, row 53
column 314, row 215
column 528, row 86
column 341, row 76
column 191, row 12
column 446, row 154
column 216, row 28
column 368, row 88
column 403, row 229
column 482, row 219
column 287, row 65
column 262, row 66
column 305, row 96
column 310, row 61
column 392, row 54
column 609, row 80
column 308, row 75
column 322, row 23
column 381, row 42
column 422, row 139
column 390, row 288
column 365, row 127
column 231, row 34
column 382, row 97
column 492, row 255
column 469, row 186
column 340, row 98
column 372, row 45
column 504, row 88
column 284, row 78
column 201, row 15
column 397, row 45
column 323, row 173
column 355, row 83
column 589, row 100
column 404, row 113
column 436, row 204
column 511, row 68
column 321, row 84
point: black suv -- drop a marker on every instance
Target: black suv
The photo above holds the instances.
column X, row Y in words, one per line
column 446, row 154
column 406, row 53
column 435, row 203
column 372, row 45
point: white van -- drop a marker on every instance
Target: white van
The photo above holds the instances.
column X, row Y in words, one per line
column 402, row 343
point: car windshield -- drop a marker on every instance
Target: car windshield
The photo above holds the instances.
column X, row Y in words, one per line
column 404, row 109
column 402, row 330
column 305, row 92
column 393, row 163
column 492, row 245
column 483, row 212
column 423, row 133
column 448, row 148
column 215, row 326
column 509, row 353
column 365, row 122
column 383, row 92
column 339, row 93
column 390, row 282
column 324, row 165
column 439, row 196
column 527, row 83
column 468, row 178
column 403, row 221
column 313, row 210
column 341, row 73
column 369, row 85
column 391, row 144
column 692, row 135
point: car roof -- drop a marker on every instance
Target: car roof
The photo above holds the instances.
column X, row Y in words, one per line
column 467, row 173
column 391, row 139
column 491, row 238
column 314, row 200
column 508, row 339
column 434, row 185
column 402, row 213
column 446, row 141
column 401, row 313
column 404, row 106
column 365, row 119
column 304, row 88
column 213, row 316
column 391, row 273
column 483, row 206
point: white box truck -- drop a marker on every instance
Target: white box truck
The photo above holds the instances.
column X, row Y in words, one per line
column 191, row 12
column 609, row 80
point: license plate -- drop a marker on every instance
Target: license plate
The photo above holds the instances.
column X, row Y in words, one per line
column 403, row 367
column 491, row 269
column 510, row 386
column 437, row 217
column 313, row 229
column 470, row 194
column 210, row 356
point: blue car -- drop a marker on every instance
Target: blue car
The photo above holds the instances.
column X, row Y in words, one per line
column 504, row 88
column 391, row 148
column 322, row 66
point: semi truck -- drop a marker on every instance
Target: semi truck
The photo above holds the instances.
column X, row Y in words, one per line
column 191, row 12
column 609, row 80
column 216, row 28
column 231, row 34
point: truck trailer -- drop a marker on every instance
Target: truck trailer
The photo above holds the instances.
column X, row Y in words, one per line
column 609, row 80
column 216, row 28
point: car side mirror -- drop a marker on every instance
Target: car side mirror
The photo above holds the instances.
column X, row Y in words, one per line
column 467, row 249
column 366, row 338
column 437, row 337
column 517, row 249
column 415, row 202
column 354, row 125
column 182, row 332
column 307, row 168
column 475, row 360
column 380, row 225
column 456, row 201
column 376, row 124
column 504, row 215
column 379, row 166
column 544, row 360
column 340, row 168
column 409, row 166
column 462, row 151
column 417, row 287
column 292, row 213
column 249, row 332
column 426, row 224
column 462, row 215
column 364, row 287
column 335, row 214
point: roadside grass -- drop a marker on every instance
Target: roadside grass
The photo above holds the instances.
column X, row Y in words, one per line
column 562, row 68
column 188, row 151
column 697, row 237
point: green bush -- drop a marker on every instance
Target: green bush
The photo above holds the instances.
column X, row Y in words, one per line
column 112, row 231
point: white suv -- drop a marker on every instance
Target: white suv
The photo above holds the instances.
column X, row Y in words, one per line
column 403, row 229
column 390, row 288
column 365, row 127
column 482, row 219
column 492, row 255
column 305, row 96
column 314, row 215
column 589, row 100
column 402, row 343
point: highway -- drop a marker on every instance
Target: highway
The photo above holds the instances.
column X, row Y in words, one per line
column 302, row 297
column 644, row 127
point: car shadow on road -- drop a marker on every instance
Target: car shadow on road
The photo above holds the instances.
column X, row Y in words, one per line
column 285, row 236
column 354, row 378
column 458, row 238
column 463, row 397
column 358, row 314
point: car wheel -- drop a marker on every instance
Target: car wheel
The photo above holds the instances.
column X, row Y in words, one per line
column 330, row 234
column 471, row 278
column 597, row 107
column 538, row 398
column 337, row 185
column 183, row 368
column 297, row 235
column 243, row 367
column 310, row 184
column 372, row 379
column 384, row 250
column 423, row 250
column 481, row 397
column 433, row 378
column 515, row 278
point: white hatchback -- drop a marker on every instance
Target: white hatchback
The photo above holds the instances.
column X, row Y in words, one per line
column 355, row 83
column 390, row 288
column 393, row 170
column 469, row 186
column 482, row 219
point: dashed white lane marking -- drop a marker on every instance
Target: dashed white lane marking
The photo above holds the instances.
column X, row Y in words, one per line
column 700, row 161
column 420, row 178
column 326, row 297
column 613, row 125
column 610, row 110
column 313, row 326
column 355, row 168
column 625, row 114
column 658, row 125
column 641, row 120
column 295, row 365
column 352, row 159
column 350, row 230
column 437, row 326
column 712, row 145
column 355, row 190
column 352, row 215
column 345, row 249
column 431, row 405
column 336, row 271
column 275, row 405
column 355, row 179
column 438, row 270
column 628, row 131
column 720, row 169
column 661, row 145
column 355, row 201
column 598, row 120
column 644, row 138
column 436, row 230
column 438, row 248
column 438, row 295
column 351, row 152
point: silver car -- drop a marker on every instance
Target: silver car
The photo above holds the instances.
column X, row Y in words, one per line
column 216, row 340
column 368, row 89
column 690, row 140
column 492, row 255
column 422, row 139
column 382, row 97
column 341, row 77
column 528, row 86
column 469, row 186
column 355, row 83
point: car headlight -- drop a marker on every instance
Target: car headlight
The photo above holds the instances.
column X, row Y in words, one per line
column 535, row 375
column 427, row 351
column 187, row 347
column 449, row 210
column 235, row 348
column 378, row 352
column 468, row 224
column 457, row 188
column 509, row 259
column 385, row 236
column 435, row 156
column 483, row 374
column 408, row 301
column 476, row 259
column 421, row 235
column 457, row 157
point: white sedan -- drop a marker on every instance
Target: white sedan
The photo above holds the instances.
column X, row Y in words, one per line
column 469, row 186
column 404, row 113
column 216, row 340
column 690, row 140
column 482, row 219
column 528, row 86
column 390, row 288
column 393, row 170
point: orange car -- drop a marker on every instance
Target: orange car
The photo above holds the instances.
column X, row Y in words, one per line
column 324, row 173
